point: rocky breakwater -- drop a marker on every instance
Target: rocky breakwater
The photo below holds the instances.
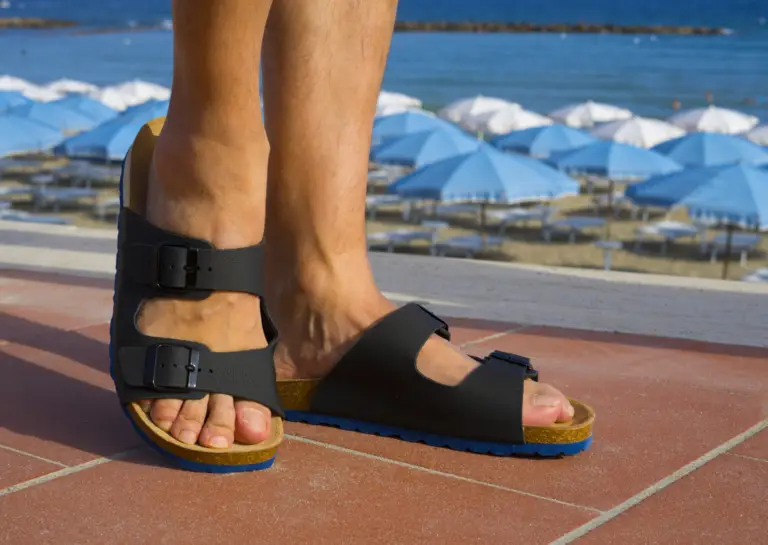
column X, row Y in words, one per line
column 556, row 28
column 33, row 23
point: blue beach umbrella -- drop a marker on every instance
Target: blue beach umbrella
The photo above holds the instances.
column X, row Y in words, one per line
column 109, row 141
column 10, row 99
column 710, row 149
column 148, row 110
column 61, row 117
column 486, row 175
column 89, row 107
column 615, row 161
column 389, row 126
column 543, row 141
column 423, row 148
column 731, row 194
column 21, row 135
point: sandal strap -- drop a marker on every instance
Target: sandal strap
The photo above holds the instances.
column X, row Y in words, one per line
column 178, row 368
column 377, row 381
column 155, row 263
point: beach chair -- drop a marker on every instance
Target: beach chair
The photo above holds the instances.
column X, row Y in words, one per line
column 21, row 191
column 618, row 202
column 670, row 231
column 374, row 202
column 516, row 215
column 467, row 245
column 106, row 207
column 391, row 240
column 55, row 197
column 741, row 244
column 25, row 217
column 760, row 275
column 571, row 227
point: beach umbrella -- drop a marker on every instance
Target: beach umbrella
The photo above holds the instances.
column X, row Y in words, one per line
column 589, row 113
column 67, row 86
column 485, row 175
column 642, row 132
column 543, row 141
column 714, row 119
column 465, row 111
column 110, row 97
column 391, row 109
column 406, row 122
column 148, row 110
column 89, row 107
column 709, row 149
column 387, row 98
column 109, row 141
column 22, row 135
column 614, row 161
column 11, row 83
column 422, row 148
column 9, row 99
column 130, row 93
column 40, row 94
column 730, row 194
column 511, row 118
column 759, row 135
column 51, row 113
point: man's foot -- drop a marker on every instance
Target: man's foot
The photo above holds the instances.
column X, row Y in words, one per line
column 316, row 329
column 179, row 201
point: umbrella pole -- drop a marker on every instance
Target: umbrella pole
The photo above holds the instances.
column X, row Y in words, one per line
column 727, row 258
column 611, row 185
column 482, row 224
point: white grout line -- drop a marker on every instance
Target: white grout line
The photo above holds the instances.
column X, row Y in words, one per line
column 749, row 457
column 611, row 514
column 435, row 472
column 494, row 336
column 17, row 451
column 64, row 472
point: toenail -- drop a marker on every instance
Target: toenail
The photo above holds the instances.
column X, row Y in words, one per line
column 255, row 420
column 543, row 400
column 219, row 442
column 188, row 436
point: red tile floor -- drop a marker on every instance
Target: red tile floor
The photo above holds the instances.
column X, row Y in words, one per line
column 680, row 454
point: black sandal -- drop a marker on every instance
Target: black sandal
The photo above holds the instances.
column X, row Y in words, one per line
column 152, row 262
column 375, row 388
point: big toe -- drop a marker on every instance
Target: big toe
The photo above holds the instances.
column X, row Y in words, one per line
column 252, row 422
column 544, row 405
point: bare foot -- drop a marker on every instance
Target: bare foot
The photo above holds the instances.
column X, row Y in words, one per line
column 224, row 322
column 317, row 329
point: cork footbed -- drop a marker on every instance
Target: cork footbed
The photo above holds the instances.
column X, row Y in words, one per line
column 134, row 193
column 296, row 396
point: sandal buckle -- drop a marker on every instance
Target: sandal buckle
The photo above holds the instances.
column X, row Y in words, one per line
column 177, row 267
column 517, row 359
column 170, row 367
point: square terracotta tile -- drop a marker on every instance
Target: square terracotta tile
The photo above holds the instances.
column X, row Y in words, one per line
column 312, row 495
column 756, row 446
column 657, row 409
column 61, row 406
column 16, row 468
column 726, row 501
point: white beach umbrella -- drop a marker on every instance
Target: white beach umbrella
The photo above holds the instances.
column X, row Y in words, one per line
column 130, row 93
column 642, row 132
column 11, row 83
column 465, row 111
column 71, row 86
column 714, row 119
column 589, row 113
column 391, row 109
column 507, row 120
column 40, row 94
column 759, row 135
column 110, row 97
column 390, row 99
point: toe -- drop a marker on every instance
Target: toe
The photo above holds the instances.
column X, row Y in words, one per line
column 190, row 421
column 164, row 412
column 253, row 422
column 219, row 428
column 544, row 405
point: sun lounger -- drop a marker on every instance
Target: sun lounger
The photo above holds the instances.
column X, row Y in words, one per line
column 374, row 202
column 106, row 207
column 668, row 230
column 22, row 191
column 760, row 275
column 521, row 215
column 15, row 215
column 55, row 197
column 618, row 202
column 392, row 240
column 571, row 226
column 467, row 246
column 741, row 243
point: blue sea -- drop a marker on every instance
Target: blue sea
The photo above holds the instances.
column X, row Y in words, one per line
column 540, row 71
